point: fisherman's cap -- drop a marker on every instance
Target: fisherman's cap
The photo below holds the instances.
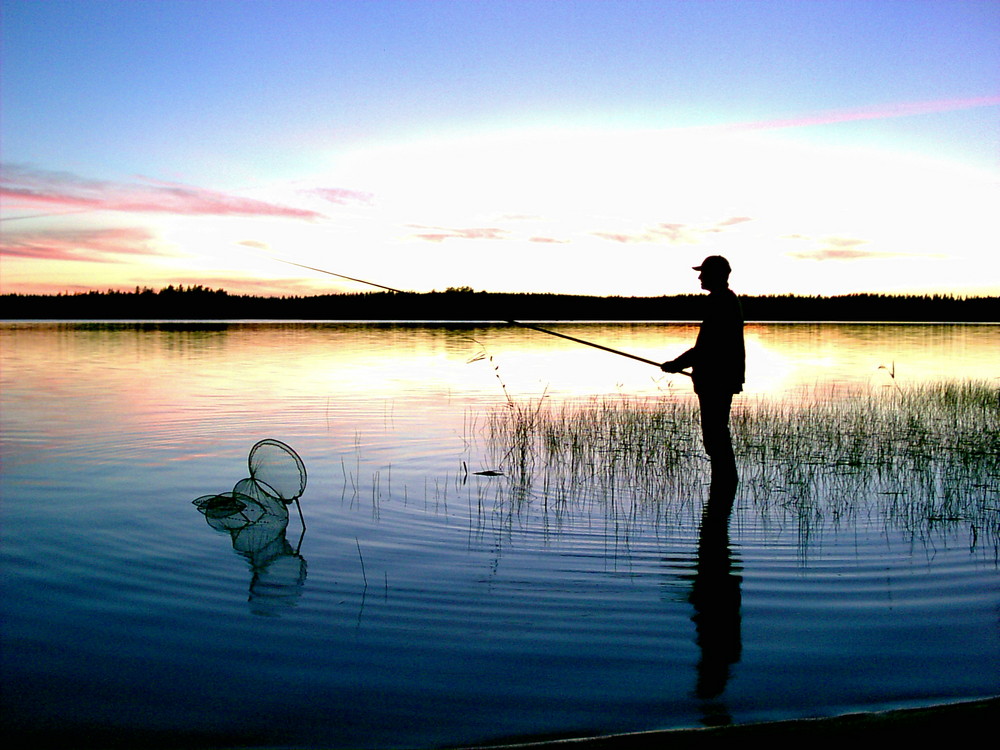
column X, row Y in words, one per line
column 714, row 263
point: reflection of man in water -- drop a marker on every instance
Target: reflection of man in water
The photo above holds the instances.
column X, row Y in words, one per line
column 715, row 594
column 717, row 359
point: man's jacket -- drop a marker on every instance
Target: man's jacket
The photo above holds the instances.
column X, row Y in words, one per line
column 718, row 357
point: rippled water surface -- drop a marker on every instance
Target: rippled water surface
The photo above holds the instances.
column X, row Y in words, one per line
column 426, row 604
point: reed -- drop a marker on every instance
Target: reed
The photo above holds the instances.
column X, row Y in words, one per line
column 916, row 456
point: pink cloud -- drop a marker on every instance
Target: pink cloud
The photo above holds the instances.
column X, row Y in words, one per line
column 231, row 284
column 86, row 245
column 675, row 233
column 48, row 287
column 471, row 233
column 550, row 240
column 344, row 197
column 840, row 253
column 845, row 241
column 840, row 248
column 22, row 187
column 621, row 237
column 672, row 233
column 733, row 221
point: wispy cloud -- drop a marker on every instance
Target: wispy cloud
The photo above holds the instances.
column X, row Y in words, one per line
column 733, row 221
column 839, row 248
column 345, row 197
column 673, row 233
column 255, row 244
column 624, row 238
column 24, row 187
column 440, row 234
column 519, row 217
column 839, row 253
column 86, row 245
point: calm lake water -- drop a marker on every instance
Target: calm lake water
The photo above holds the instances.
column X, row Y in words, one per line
column 426, row 605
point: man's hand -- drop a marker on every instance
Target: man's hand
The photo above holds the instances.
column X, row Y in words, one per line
column 670, row 366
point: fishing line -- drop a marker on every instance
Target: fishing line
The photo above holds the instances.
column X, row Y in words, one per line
column 341, row 276
column 511, row 322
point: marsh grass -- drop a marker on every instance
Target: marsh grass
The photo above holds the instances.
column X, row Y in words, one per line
column 918, row 458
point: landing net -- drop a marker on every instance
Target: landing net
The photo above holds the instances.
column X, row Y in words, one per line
column 278, row 470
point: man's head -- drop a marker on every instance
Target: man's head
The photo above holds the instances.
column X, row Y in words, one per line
column 714, row 273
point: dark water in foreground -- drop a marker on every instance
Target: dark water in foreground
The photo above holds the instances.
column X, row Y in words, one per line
column 426, row 605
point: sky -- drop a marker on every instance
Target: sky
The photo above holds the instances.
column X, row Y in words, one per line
column 824, row 147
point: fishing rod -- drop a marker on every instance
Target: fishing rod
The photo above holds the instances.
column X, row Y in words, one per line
column 511, row 322
column 587, row 343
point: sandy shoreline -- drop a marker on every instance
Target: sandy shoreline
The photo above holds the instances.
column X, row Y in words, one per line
column 898, row 725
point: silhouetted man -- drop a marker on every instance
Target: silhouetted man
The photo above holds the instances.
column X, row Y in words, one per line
column 717, row 360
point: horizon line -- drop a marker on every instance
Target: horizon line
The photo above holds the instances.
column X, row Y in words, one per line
column 200, row 289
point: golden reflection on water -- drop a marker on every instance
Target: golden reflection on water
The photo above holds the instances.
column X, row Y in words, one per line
column 166, row 384
column 782, row 359
column 206, row 369
column 788, row 358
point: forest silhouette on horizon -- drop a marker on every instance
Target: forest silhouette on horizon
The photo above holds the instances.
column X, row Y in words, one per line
column 464, row 304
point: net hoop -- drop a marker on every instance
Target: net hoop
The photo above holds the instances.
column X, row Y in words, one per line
column 278, row 470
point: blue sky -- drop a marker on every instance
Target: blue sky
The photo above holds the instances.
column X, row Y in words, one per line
column 592, row 147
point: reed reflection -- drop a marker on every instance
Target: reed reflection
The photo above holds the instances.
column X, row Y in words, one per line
column 255, row 515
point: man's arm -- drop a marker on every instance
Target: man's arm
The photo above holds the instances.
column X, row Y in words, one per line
column 687, row 359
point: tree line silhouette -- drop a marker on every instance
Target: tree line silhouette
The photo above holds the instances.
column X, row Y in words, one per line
column 464, row 304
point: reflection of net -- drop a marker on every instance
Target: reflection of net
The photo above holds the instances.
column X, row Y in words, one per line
column 223, row 506
column 255, row 514
column 277, row 470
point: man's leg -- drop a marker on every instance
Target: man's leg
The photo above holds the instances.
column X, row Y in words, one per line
column 715, row 426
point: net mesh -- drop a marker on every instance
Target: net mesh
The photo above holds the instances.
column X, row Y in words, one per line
column 222, row 505
column 254, row 493
column 278, row 470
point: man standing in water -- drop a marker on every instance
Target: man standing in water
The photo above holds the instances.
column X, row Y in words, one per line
column 717, row 361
